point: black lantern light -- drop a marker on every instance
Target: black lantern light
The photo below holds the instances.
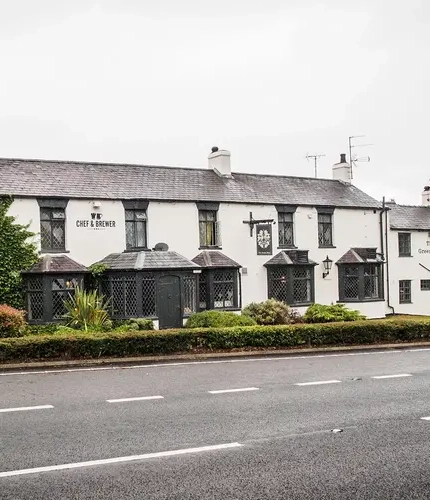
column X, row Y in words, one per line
column 327, row 263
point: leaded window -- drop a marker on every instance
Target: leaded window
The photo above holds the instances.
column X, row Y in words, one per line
column 189, row 294
column 405, row 295
column 62, row 290
column 148, row 295
column 286, row 229
column 325, row 230
column 404, row 244
column 135, row 229
column 219, row 289
column 35, row 306
column 209, row 229
column 425, row 284
column 360, row 282
column 291, row 284
column 52, row 229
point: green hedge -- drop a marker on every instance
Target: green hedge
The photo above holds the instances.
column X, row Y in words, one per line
column 116, row 344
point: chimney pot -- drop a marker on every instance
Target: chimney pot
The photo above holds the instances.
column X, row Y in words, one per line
column 214, row 149
column 343, row 158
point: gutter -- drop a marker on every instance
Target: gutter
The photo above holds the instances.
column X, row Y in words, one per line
column 385, row 211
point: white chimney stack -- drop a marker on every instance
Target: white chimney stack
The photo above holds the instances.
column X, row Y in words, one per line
column 219, row 162
column 342, row 170
column 426, row 196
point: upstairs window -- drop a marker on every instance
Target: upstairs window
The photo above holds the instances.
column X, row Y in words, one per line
column 286, row 225
column 209, row 226
column 325, row 229
column 135, row 229
column 136, row 224
column 52, row 225
column 404, row 244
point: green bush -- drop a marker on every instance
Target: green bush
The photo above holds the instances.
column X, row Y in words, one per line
column 87, row 310
column 208, row 319
column 12, row 322
column 319, row 313
column 141, row 323
column 80, row 345
column 272, row 312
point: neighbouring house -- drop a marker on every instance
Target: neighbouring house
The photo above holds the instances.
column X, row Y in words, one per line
column 179, row 240
column 409, row 257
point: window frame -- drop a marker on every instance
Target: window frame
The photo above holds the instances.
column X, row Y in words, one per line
column 60, row 221
column 282, row 226
column 321, row 229
column 204, row 224
column 135, row 222
column 289, row 283
column 408, row 252
column 425, row 289
column 361, row 281
column 207, row 278
column 409, row 285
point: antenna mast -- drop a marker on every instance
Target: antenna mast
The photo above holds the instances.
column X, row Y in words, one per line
column 315, row 157
column 353, row 161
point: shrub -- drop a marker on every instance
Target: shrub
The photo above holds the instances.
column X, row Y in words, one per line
column 208, row 319
column 12, row 322
column 87, row 310
column 77, row 344
column 319, row 313
column 272, row 312
column 141, row 323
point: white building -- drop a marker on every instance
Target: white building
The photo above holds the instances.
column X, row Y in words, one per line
column 408, row 257
column 233, row 238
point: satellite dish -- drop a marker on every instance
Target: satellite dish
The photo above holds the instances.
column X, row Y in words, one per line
column 161, row 247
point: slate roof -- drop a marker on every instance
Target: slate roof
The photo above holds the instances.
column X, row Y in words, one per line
column 290, row 257
column 43, row 178
column 147, row 260
column 214, row 259
column 360, row 256
column 57, row 264
column 409, row 217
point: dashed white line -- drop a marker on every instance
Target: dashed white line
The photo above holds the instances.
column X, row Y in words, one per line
column 320, row 382
column 222, row 391
column 143, row 398
column 398, row 375
column 425, row 418
column 131, row 458
column 26, row 408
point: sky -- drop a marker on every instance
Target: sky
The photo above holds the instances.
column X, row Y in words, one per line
column 160, row 82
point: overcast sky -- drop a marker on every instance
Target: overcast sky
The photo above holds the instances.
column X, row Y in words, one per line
column 161, row 81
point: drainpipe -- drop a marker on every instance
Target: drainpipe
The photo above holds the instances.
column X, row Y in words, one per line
column 385, row 211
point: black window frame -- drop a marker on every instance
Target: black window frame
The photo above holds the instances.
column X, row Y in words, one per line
column 208, row 283
column 209, row 224
column 404, row 246
column 425, row 285
column 322, row 227
column 48, row 215
column 289, row 280
column 132, row 220
column 285, row 222
column 359, row 276
column 405, row 291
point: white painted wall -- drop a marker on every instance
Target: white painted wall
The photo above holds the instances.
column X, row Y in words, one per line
column 177, row 225
column 409, row 268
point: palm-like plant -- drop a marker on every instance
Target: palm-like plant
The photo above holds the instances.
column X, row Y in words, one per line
column 86, row 309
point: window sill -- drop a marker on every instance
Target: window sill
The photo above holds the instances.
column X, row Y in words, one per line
column 300, row 304
column 326, row 246
column 402, row 256
column 54, row 251
column 232, row 309
column 345, row 301
column 287, row 247
column 137, row 249
column 405, row 303
column 213, row 247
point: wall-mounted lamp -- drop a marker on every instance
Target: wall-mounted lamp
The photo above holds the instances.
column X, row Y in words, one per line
column 327, row 263
column 96, row 204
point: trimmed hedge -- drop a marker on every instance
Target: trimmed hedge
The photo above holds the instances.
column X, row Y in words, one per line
column 218, row 319
column 95, row 345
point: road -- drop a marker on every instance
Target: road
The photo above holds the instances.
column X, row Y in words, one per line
column 230, row 429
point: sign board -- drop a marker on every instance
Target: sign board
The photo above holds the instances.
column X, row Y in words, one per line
column 263, row 236
column 96, row 222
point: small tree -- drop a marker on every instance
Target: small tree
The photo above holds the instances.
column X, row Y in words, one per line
column 17, row 253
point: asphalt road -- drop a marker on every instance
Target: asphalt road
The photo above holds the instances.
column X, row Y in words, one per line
column 82, row 434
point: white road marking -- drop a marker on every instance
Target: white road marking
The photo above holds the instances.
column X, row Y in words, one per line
column 130, row 458
column 399, row 375
column 26, row 408
column 425, row 418
column 218, row 361
column 144, row 398
column 320, row 382
column 222, row 391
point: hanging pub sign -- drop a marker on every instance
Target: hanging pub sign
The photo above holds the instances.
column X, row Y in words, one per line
column 264, row 239
column 95, row 222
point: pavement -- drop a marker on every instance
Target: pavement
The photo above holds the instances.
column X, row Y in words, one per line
column 345, row 425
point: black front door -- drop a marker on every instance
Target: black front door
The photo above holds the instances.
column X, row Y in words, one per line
column 169, row 302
